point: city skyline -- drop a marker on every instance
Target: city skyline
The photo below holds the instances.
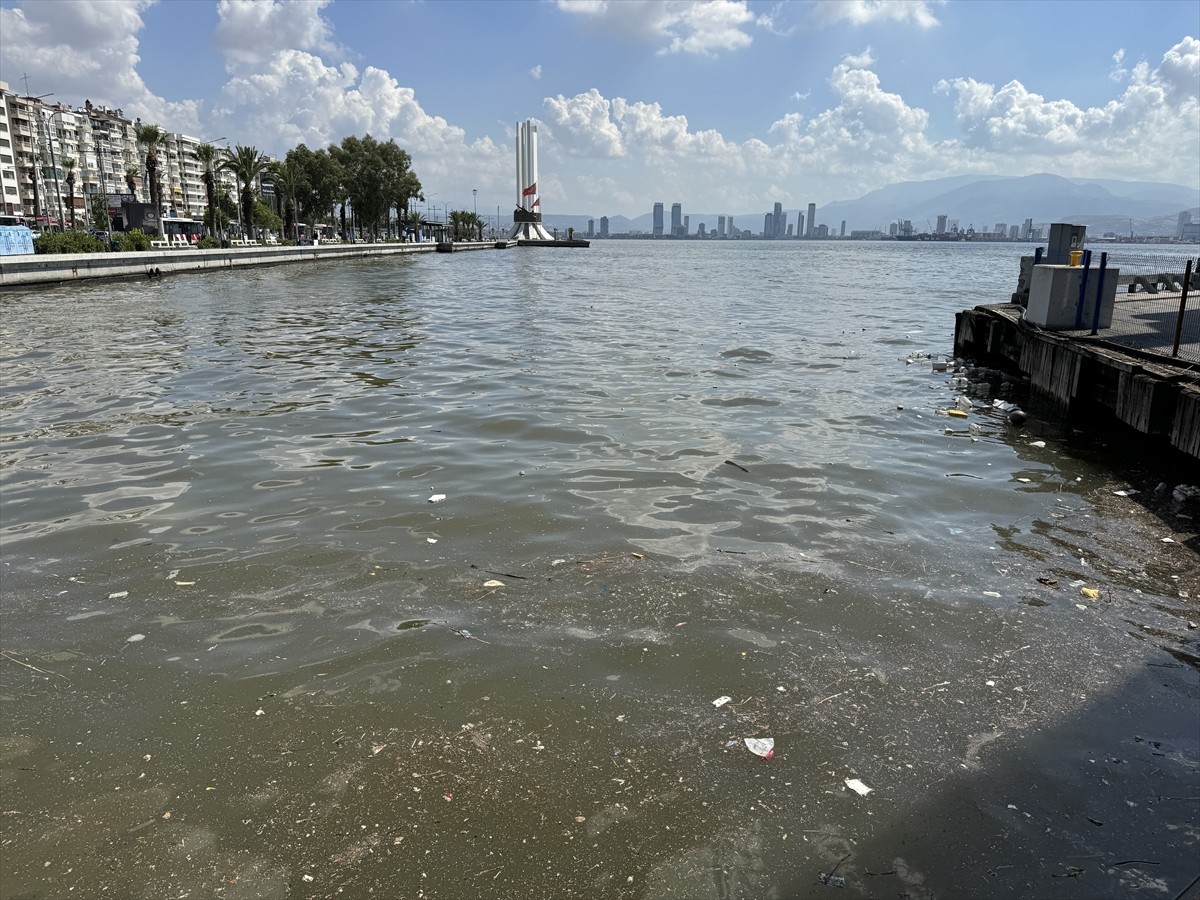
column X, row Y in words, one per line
column 638, row 100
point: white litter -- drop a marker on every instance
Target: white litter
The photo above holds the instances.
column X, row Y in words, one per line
column 858, row 787
column 117, row 595
column 437, row 498
column 431, row 540
column 764, row 747
column 1125, row 493
column 493, row 583
column 1038, row 444
column 721, row 701
column 134, row 638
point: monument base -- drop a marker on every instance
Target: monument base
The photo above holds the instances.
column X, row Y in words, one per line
column 529, row 231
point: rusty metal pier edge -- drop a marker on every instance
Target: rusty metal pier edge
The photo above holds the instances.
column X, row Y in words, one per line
column 1086, row 382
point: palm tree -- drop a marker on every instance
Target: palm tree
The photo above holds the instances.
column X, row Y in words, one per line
column 290, row 180
column 415, row 221
column 206, row 154
column 150, row 137
column 247, row 165
column 69, row 166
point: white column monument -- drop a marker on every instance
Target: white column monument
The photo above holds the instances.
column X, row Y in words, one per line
column 527, row 217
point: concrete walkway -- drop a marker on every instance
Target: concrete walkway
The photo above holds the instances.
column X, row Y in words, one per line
column 26, row 270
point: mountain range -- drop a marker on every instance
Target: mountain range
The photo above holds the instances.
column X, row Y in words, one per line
column 1143, row 207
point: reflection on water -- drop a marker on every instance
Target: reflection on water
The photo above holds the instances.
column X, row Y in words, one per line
column 671, row 473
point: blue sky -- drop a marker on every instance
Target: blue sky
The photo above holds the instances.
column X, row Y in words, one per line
column 724, row 105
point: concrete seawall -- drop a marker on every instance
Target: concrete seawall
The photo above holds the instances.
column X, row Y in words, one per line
column 1083, row 380
column 25, row 270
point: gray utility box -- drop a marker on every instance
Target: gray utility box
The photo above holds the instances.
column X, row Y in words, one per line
column 1063, row 239
column 1054, row 296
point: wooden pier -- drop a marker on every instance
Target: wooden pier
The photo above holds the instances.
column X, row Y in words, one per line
column 1082, row 379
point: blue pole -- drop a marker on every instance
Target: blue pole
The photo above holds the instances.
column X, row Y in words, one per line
column 1099, row 292
column 1087, row 264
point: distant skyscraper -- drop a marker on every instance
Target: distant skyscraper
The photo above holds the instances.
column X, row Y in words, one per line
column 1013, row 232
column 799, row 224
column 658, row 219
column 821, row 231
column 604, row 226
column 777, row 225
column 941, row 224
column 1185, row 218
column 700, row 230
column 768, row 226
column 687, row 225
column 843, row 234
column 720, row 226
column 812, row 218
column 676, row 219
column 1027, row 229
column 591, row 228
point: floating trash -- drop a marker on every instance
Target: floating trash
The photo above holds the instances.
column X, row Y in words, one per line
column 437, row 498
column 858, row 787
column 721, row 701
column 764, row 747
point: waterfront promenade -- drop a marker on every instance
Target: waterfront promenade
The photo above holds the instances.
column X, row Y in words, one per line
column 26, row 270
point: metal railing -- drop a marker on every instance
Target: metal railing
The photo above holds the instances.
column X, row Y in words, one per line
column 1156, row 307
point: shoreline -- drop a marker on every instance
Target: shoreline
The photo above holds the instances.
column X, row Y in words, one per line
column 39, row 269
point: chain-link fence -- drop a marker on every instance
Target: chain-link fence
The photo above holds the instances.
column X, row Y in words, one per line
column 1156, row 308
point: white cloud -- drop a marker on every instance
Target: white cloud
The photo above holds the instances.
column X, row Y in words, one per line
column 870, row 137
column 859, row 60
column 1151, row 131
column 536, row 71
column 101, row 41
column 249, row 31
column 866, row 12
column 702, row 27
column 296, row 98
column 582, row 126
column 1118, row 72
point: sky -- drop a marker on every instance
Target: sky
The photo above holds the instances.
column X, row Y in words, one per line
column 726, row 106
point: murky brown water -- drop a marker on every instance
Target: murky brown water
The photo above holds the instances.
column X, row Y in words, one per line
column 265, row 665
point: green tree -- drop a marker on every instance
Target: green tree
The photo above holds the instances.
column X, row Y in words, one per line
column 459, row 225
column 207, row 155
column 415, row 221
column 247, row 165
column 69, row 167
column 265, row 217
column 376, row 176
column 289, row 182
column 151, row 137
column 98, row 210
column 321, row 184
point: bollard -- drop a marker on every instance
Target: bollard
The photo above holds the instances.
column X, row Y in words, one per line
column 1183, row 298
column 1099, row 292
column 1083, row 280
column 1037, row 256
